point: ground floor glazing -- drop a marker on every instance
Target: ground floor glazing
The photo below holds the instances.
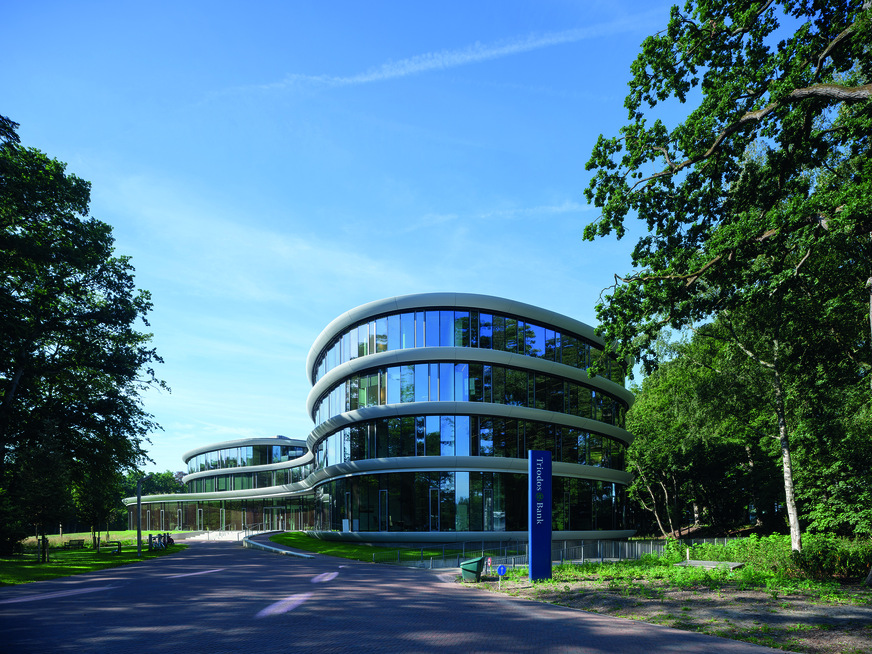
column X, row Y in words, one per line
column 401, row 502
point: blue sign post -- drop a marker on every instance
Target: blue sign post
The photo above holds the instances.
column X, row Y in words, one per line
column 539, row 519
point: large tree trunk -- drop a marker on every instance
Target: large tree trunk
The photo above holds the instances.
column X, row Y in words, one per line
column 653, row 502
column 784, row 440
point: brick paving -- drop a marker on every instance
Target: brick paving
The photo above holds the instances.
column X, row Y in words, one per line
column 218, row 597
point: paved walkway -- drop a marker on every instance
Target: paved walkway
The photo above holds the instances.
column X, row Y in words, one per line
column 218, row 597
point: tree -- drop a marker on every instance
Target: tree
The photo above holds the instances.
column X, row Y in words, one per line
column 700, row 441
column 72, row 363
column 758, row 206
column 154, row 483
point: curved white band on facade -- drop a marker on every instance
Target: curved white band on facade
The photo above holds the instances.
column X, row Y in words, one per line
column 445, row 354
column 419, row 301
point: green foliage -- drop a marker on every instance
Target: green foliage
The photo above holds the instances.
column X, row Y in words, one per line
column 154, row 483
column 702, row 439
column 72, row 363
column 757, row 205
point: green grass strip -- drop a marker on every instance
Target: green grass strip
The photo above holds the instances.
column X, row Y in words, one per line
column 23, row 569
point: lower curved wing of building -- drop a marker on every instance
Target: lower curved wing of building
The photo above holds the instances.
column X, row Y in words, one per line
column 424, row 408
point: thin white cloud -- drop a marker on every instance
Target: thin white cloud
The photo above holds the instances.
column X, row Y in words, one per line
column 473, row 54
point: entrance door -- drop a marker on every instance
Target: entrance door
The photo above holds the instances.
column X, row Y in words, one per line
column 346, row 521
column 199, row 519
column 179, row 519
column 382, row 510
column 434, row 509
column 223, row 520
column 488, row 506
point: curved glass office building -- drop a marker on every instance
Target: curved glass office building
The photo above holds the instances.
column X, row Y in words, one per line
column 424, row 409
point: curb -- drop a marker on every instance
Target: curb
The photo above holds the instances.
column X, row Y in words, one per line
column 247, row 542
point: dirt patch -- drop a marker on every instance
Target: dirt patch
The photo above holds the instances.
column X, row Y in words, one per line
column 796, row 622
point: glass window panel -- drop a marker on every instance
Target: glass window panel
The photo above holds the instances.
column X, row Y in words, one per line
column 511, row 332
column 446, row 442
column 485, row 330
column 461, row 382
column 594, row 450
column 382, row 439
column 461, row 435
column 461, row 328
column 473, row 329
column 394, row 385
column 499, row 384
column 407, row 388
column 584, row 402
column 446, row 328
column 407, row 330
column 446, row 382
column 537, row 342
column 461, row 494
column 353, row 393
column 540, row 391
column 499, row 333
column 347, row 351
column 394, row 332
column 362, row 339
column 357, row 441
column 524, row 338
column 431, row 330
column 420, row 436
column 434, row 444
column 407, row 436
column 606, row 404
column 419, row 328
column 485, row 437
column 381, row 334
column 434, row 382
column 570, row 351
column 516, row 387
column 476, row 389
column 422, row 382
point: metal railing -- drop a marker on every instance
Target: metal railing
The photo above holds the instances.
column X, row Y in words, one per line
column 514, row 553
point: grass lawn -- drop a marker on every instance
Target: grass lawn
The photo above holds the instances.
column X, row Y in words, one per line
column 345, row 550
column 24, row 568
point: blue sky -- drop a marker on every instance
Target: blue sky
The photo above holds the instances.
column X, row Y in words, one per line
column 272, row 166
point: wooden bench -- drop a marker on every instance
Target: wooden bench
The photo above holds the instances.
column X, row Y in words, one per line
column 74, row 544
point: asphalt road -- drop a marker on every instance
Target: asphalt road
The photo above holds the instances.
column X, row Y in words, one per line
column 219, row 597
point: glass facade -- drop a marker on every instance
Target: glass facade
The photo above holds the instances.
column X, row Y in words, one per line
column 248, row 480
column 404, row 502
column 469, row 382
column 238, row 457
column 462, row 501
column 435, row 435
column 463, row 328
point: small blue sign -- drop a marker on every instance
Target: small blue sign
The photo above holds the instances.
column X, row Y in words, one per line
column 501, row 570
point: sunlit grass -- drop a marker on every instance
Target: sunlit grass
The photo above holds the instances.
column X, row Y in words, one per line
column 345, row 550
column 22, row 569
